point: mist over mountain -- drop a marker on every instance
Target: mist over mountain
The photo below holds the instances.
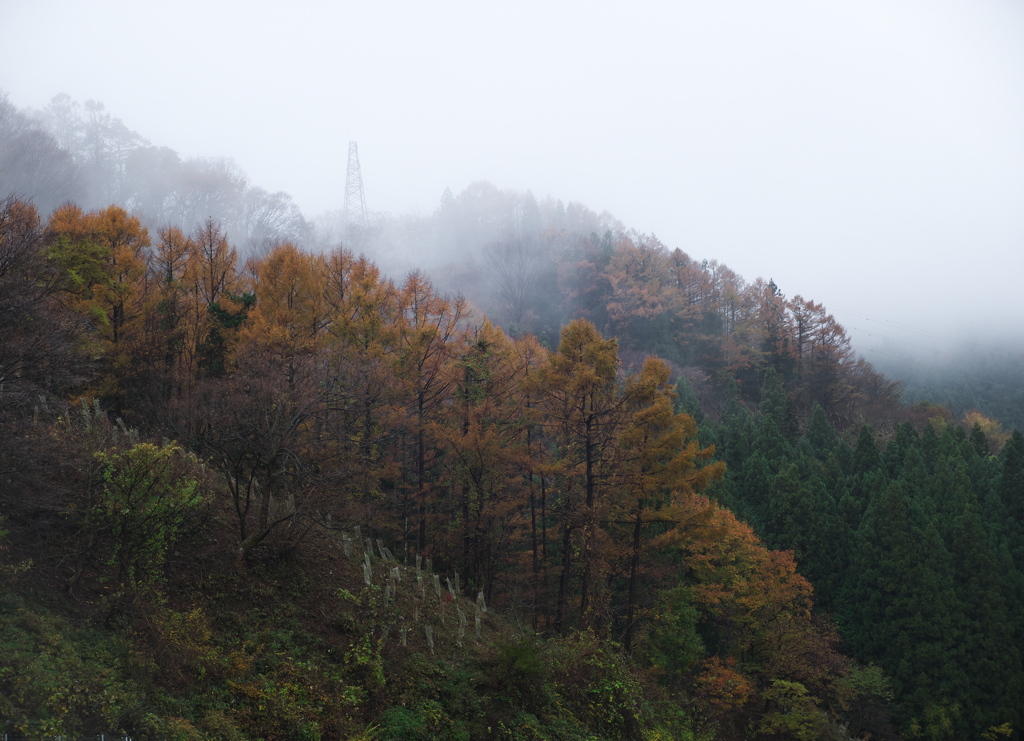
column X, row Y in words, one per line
column 865, row 155
column 529, row 264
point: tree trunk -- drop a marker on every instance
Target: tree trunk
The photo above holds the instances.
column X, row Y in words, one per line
column 563, row 586
column 634, row 564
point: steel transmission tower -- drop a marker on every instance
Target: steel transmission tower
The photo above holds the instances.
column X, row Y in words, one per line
column 355, row 202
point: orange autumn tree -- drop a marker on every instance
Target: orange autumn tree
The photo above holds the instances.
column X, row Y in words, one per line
column 167, row 321
column 199, row 300
column 580, row 409
column 427, row 325
column 757, row 610
column 216, row 300
column 619, row 452
column 37, row 336
column 103, row 257
column 364, row 399
column 119, row 300
column 694, row 305
column 662, row 459
column 641, row 305
column 261, row 421
column 534, row 467
column 289, row 321
column 774, row 327
column 824, row 358
column 483, row 436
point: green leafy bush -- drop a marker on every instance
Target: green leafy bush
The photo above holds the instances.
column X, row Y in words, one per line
column 520, row 671
column 147, row 493
column 55, row 679
column 594, row 683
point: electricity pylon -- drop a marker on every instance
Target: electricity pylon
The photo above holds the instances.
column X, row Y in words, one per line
column 355, row 201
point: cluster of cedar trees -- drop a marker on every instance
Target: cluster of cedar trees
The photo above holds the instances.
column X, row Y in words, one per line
column 327, row 396
column 916, row 546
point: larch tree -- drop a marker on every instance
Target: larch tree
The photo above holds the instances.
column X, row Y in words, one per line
column 216, row 300
column 37, row 335
column 661, row 459
column 260, row 422
column 641, row 281
column 364, row 397
column 582, row 411
column 103, row 260
column 290, row 318
column 483, row 436
column 427, row 328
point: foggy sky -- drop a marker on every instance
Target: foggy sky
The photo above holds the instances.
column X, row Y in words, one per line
column 868, row 154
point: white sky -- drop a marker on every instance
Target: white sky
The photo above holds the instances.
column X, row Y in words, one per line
column 864, row 153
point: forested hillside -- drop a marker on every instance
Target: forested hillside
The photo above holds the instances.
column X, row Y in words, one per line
column 322, row 400
column 604, row 490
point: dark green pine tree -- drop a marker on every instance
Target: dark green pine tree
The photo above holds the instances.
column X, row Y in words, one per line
column 987, row 649
column 866, row 458
column 923, row 624
column 687, row 401
column 734, row 438
column 848, row 512
column 930, row 446
column 772, row 443
column 978, row 441
column 821, row 434
column 914, row 478
column 885, row 549
column 949, row 494
column 906, row 437
column 789, row 514
column 1008, row 507
column 866, row 478
column 753, row 482
column 859, row 492
column 775, row 405
column 953, row 443
column 801, row 515
column 898, row 607
column 737, row 433
column 983, row 471
column 1011, row 483
column 835, row 477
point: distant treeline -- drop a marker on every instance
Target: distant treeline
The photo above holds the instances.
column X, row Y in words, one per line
column 80, row 153
column 990, row 381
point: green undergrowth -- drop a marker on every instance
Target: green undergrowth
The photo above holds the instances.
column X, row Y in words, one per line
column 292, row 648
